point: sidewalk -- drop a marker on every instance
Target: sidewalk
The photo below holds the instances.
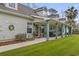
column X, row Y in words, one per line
column 19, row 45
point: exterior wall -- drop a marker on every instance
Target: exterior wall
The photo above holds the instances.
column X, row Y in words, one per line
column 19, row 23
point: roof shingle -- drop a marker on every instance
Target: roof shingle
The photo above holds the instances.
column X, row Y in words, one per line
column 22, row 9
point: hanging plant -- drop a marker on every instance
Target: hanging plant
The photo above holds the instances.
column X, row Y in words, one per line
column 11, row 27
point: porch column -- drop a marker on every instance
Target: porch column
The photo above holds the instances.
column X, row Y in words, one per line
column 39, row 31
column 70, row 30
column 68, row 33
column 63, row 30
column 47, row 30
column 67, row 30
column 56, row 30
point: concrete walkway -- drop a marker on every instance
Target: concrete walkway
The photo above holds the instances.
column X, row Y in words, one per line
column 27, row 43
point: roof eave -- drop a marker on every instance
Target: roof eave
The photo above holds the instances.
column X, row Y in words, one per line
column 16, row 14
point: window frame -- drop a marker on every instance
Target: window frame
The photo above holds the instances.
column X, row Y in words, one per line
column 29, row 26
column 16, row 6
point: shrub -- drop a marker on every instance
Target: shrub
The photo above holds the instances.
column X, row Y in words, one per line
column 20, row 37
column 29, row 37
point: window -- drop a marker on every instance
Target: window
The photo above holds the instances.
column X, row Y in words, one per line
column 29, row 27
column 29, row 30
column 12, row 5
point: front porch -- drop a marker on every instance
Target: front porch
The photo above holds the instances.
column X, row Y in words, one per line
column 50, row 27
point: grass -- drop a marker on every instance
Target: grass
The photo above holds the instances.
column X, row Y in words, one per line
column 68, row 46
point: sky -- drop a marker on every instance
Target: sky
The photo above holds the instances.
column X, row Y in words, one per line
column 60, row 7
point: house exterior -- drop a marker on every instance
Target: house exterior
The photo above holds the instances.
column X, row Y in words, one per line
column 42, row 11
column 16, row 18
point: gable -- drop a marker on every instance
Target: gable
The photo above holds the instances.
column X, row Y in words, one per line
column 21, row 9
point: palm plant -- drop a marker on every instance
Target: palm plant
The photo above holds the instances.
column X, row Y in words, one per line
column 71, row 14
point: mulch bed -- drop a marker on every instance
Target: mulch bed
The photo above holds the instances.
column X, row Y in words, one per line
column 12, row 42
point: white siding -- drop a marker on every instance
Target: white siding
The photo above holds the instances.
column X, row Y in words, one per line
column 19, row 23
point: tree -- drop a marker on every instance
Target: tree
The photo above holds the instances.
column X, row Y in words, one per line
column 71, row 13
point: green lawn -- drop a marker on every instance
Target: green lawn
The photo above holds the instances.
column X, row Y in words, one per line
column 68, row 46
